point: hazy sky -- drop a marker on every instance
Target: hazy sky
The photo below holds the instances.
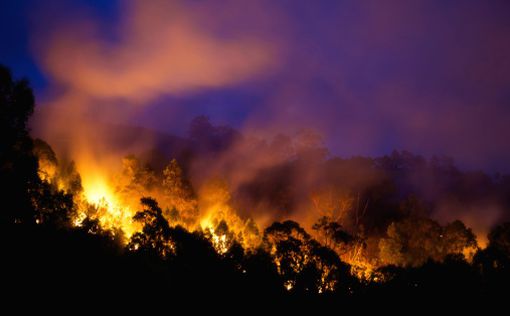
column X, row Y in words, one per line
column 428, row 76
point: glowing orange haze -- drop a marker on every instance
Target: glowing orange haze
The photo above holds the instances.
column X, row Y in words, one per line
column 162, row 48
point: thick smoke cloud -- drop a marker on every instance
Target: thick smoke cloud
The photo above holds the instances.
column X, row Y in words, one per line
column 102, row 75
column 426, row 76
column 161, row 48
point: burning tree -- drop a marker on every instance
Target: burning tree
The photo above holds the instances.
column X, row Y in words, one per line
column 413, row 241
column 135, row 179
column 332, row 234
column 302, row 262
column 179, row 194
column 155, row 235
column 338, row 206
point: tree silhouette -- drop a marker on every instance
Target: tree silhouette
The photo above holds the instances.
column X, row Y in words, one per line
column 154, row 239
column 499, row 238
column 288, row 243
column 458, row 239
column 18, row 165
column 52, row 206
column 493, row 262
column 332, row 234
column 304, row 264
column 413, row 241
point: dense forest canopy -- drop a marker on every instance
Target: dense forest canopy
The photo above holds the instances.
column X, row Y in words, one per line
column 227, row 213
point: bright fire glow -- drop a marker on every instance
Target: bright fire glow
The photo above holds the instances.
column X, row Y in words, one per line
column 97, row 191
column 106, row 207
column 219, row 241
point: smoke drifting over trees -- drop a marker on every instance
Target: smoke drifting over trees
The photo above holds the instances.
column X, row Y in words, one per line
column 225, row 214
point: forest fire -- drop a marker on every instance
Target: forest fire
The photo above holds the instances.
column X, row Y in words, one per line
column 100, row 202
column 113, row 200
column 232, row 186
column 247, row 155
column 98, row 193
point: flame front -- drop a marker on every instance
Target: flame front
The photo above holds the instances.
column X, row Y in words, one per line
column 111, row 197
column 101, row 202
column 97, row 191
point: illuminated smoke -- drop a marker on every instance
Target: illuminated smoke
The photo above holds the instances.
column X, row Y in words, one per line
column 162, row 48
